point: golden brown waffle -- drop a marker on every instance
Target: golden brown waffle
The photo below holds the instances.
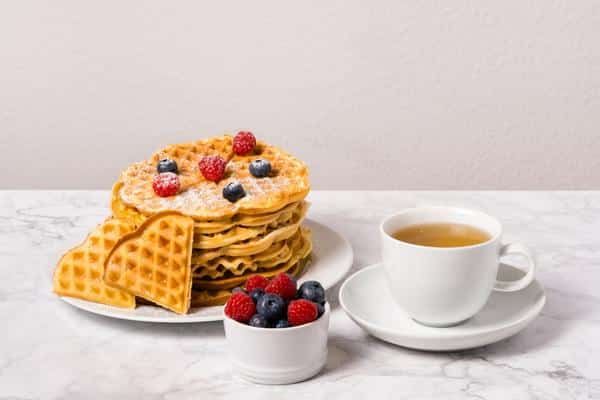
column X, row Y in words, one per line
column 259, row 219
column 79, row 272
column 253, row 246
column 249, row 248
column 280, row 252
column 231, row 236
column 196, row 230
column 205, row 298
column 301, row 251
column 154, row 261
column 247, row 220
column 244, row 233
column 122, row 211
column 203, row 200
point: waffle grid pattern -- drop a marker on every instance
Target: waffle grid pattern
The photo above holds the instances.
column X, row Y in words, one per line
column 193, row 247
column 154, row 261
column 79, row 272
column 203, row 200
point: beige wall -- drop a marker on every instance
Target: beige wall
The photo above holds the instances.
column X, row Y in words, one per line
column 372, row 94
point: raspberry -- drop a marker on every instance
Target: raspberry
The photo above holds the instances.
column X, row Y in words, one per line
column 256, row 281
column 243, row 143
column 283, row 286
column 240, row 307
column 212, row 168
column 301, row 312
column 165, row 184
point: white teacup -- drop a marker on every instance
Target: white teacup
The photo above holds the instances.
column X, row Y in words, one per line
column 443, row 286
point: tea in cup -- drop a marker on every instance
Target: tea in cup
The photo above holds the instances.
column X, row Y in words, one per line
column 441, row 262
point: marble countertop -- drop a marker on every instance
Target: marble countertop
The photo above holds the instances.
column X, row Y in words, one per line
column 50, row 350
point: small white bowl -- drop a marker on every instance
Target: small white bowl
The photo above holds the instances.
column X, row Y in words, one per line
column 278, row 356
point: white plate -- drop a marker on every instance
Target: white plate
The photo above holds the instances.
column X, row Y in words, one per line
column 367, row 300
column 330, row 261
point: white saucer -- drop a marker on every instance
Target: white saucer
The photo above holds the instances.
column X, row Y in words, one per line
column 331, row 259
column 366, row 299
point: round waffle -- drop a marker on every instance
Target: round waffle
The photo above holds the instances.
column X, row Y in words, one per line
column 132, row 215
column 242, row 233
column 253, row 246
column 216, row 297
column 278, row 253
column 203, row 200
column 301, row 250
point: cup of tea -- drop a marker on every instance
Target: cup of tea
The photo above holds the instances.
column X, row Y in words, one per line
column 441, row 262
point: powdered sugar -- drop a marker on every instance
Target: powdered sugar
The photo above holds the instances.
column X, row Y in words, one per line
column 204, row 200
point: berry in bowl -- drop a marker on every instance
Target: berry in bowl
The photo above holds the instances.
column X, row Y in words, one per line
column 277, row 333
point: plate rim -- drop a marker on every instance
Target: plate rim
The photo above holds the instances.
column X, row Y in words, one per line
column 438, row 334
column 90, row 307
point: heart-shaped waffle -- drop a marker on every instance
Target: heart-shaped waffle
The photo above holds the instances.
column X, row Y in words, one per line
column 79, row 271
column 154, row 261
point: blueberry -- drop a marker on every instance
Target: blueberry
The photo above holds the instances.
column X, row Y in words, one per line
column 320, row 309
column 260, row 168
column 282, row 323
column 313, row 291
column 233, row 191
column 271, row 306
column 256, row 294
column 166, row 165
column 258, row 321
column 238, row 289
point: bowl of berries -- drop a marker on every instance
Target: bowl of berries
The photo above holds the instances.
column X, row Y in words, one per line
column 276, row 331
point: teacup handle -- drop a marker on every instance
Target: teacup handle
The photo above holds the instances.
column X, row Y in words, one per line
column 513, row 286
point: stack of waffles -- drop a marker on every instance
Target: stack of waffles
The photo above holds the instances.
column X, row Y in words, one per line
column 190, row 249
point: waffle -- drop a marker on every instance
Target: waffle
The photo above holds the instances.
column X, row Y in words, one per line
column 191, row 248
column 79, row 272
column 203, row 200
column 246, row 220
column 131, row 214
column 254, row 246
column 278, row 253
column 244, row 233
column 302, row 250
column 249, row 248
column 241, row 229
column 154, row 261
column 121, row 210
column 205, row 298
